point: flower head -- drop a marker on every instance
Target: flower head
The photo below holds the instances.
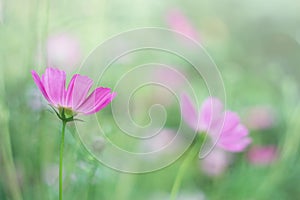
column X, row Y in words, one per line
column 180, row 23
column 74, row 99
column 216, row 162
column 34, row 100
column 262, row 155
column 222, row 126
column 260, row 117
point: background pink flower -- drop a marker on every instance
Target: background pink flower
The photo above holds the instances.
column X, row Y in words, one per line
column 1, row 12
column 216, row 162
column 34, row 99
column 161, row 141
column 260, row 117
column 63, row 51
column 168, row 78
column 52, row 86
column 262, row 155
column 180, row 23
column 223, row 127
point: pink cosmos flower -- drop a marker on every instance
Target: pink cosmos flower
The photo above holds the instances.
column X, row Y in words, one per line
column 1, row 12
column 260, row 117
column 34, row 100
column 161, row 142
column 171, row 78
column 180, row 23
column 74, row 99
column 262, row 155
column 216, row 162
column 223, row 127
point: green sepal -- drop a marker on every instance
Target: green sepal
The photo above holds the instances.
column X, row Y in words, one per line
column 65, row 114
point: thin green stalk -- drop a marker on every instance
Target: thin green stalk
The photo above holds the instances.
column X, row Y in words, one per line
column 61, row 158
column 124, row 186
column 90, row 179
column 192, row 154
column 12, row 186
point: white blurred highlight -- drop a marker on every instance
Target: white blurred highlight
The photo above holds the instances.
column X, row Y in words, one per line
column 63, row 51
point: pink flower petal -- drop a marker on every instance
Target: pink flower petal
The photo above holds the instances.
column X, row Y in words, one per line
column 40, row 85
column 238, row 132
column 52, row 85
column 227, row 122
column 260, row 117
column 189, row 112
column 54, row 81
column 98, row 99
column 235, row 140
column 211, row 110
column 179, row 22
column 235, row 146
column 262, row 155
column 77, row 91
column 216, row 162
column 102, row 103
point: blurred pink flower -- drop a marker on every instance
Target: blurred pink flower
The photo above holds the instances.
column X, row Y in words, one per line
column 34, row 100
column 50, row 174
column 74, row 99
column 262, row 155
column 161, row 141
column 169, row 76
column 63, row 51
column 260, row 117
column 216, row 162
column 170, row 79
column 1, row 12
column 180, row 23
column 224, row 127
column 183, row 195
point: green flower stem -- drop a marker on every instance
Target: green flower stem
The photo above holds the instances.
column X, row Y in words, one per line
column 61, row 157
column 191, row 155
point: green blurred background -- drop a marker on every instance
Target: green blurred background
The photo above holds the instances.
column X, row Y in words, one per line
column 255, row 45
